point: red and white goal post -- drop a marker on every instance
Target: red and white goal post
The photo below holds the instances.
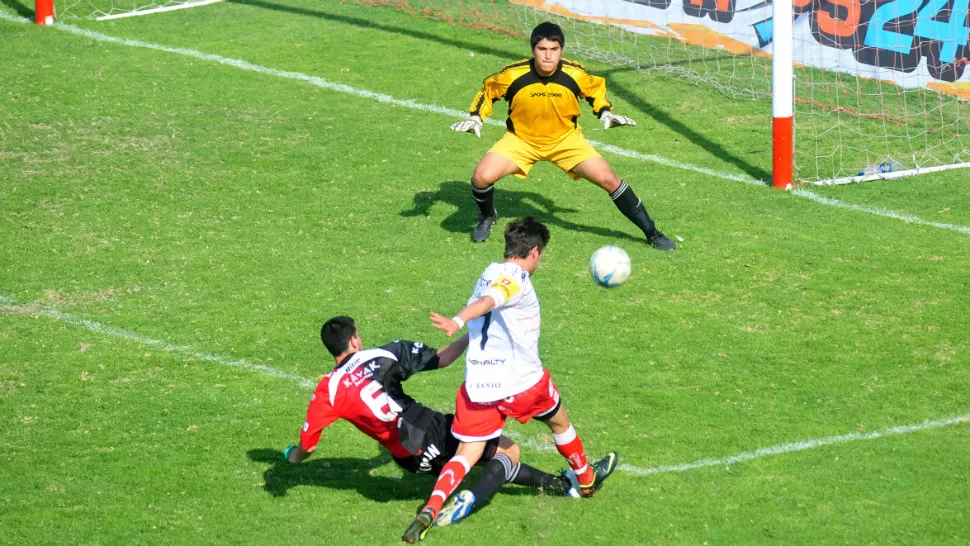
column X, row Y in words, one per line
column 44, row 12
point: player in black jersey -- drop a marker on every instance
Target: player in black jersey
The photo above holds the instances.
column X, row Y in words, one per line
column 365, row 389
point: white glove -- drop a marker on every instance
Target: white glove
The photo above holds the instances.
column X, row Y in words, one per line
column 610, row 119
column 471, row 125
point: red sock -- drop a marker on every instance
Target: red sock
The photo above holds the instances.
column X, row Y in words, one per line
column 451, row 475
column 571, row 447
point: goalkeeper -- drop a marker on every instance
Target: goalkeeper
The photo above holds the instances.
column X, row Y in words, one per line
column 543, row 95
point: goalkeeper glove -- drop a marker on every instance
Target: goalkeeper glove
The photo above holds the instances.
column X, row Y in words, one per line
column 610, row 119
column 287, row 451
column 471, row 125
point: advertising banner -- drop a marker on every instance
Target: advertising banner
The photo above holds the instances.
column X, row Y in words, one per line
column 913, row 43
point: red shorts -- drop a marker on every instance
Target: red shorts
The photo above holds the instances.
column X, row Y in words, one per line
column 478, row 421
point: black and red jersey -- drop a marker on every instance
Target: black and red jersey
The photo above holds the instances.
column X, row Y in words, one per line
column 365, row 389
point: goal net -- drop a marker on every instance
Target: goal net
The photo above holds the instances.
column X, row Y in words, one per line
column 881, row 88
column 100, row 10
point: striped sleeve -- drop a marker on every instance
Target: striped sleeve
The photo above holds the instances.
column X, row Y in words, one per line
column 592, row 88
column 493, row 89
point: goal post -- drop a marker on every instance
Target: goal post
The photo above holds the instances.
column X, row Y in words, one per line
column 782, row 97
column 44, row 12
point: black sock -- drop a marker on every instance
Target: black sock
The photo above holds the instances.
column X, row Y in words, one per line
column 533, row 477
column 485, row 199
column 631, row 207
column 496, row 473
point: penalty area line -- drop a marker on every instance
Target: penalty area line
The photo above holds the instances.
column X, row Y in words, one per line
column 415, row 105
column 10, row 306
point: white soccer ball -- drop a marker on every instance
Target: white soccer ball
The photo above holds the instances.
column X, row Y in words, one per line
column 610, row 266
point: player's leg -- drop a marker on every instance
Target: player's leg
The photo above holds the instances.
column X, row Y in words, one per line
column 473, row 425
column 489, row 170
column 500, row 457
column 578, row 158
column 589, row 477
column 451, row 476
column 508, row 156
column 519, row 473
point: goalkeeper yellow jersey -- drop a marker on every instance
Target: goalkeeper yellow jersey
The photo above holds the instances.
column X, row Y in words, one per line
column 542, row 110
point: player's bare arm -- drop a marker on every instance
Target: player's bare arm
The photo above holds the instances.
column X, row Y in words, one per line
column 472, row 311
column 296, row 454
column 449, row 353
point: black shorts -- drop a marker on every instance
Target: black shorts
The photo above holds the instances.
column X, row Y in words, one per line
column 439, row 447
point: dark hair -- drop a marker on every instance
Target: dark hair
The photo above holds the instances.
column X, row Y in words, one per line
column 549, row 31
column 336, row 334
column 521, row 236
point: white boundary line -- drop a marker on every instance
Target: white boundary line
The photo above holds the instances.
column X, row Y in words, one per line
column 413, row 104
column 9, row 306
column 878, row 212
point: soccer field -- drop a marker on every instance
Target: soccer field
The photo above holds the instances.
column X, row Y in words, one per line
column 187, row 196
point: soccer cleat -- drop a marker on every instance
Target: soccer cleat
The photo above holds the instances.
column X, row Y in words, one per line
column 484, row 227
column 570, row 485
column 660, row 241
column 457, row 510
column 601, row 470
column 419, row 527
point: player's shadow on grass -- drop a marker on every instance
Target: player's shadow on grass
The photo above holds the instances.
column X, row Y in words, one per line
column 716, row 149
column 22, row 9
column 510, row 204
column 347, row 473
column 363, row 22
column 339, row 473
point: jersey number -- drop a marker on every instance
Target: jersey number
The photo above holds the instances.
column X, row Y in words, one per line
column 374, row 397
column 485, row 324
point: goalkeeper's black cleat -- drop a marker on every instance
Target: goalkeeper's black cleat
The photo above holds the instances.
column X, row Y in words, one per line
column 602, row 470
column 484, row 227
column 419, row 527
column 660, row 241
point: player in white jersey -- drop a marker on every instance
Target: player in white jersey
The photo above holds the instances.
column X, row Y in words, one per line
column 503, row 378
column 503, row 350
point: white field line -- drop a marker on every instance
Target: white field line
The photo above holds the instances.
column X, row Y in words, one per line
column 9, row 306
column 878, row 212
column 765, row 451
column 415, row 105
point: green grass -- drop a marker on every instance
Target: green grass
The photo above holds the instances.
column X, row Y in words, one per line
column 228, row 213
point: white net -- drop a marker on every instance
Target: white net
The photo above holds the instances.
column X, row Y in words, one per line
column 114, row 9
column 879, row 84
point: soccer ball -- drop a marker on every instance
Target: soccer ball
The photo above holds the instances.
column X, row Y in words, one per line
column 610, row 266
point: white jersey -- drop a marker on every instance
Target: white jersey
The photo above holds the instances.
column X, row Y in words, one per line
column 503, row 345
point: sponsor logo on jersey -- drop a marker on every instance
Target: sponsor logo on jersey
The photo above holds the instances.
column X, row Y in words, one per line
column 488, row 386
column 492, row 362
column 507, row 286
column 424, row 463
column 553, row 94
